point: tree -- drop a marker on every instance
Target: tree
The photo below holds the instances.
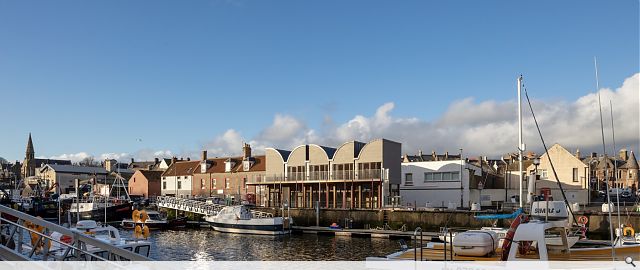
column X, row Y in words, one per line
column 3, row 161
column 89, row 161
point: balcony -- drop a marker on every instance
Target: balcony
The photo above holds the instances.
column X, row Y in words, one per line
column 315, row 176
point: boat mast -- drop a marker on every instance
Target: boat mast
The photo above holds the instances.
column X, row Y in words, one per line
column 521, row 146
column 604, row 159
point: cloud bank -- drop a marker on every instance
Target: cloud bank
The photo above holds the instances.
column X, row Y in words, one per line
column 487, row 128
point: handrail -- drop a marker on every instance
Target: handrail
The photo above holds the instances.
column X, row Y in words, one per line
column 415, row 244
column 76, row 236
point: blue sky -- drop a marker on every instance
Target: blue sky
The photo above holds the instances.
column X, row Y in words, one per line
column 143, row 76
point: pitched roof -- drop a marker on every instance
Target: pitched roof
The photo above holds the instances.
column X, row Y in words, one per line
column 77, row 169
column 43, row 161
column 182, row 168
column 632, row 162
column 151, row 175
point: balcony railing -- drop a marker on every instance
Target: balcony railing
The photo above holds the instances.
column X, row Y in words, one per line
column 369, row 174
column 341, row 175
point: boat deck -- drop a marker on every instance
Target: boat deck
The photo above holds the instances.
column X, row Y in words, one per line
column 435, row 252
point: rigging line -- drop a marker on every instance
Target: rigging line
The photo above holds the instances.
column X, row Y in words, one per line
column 615, row 164
column 546, row 150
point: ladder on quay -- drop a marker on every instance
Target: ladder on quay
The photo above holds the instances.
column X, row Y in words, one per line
column 198, row 207
column 19, row 241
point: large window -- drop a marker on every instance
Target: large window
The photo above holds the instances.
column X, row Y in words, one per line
column 202, row 184
column 408, row 179
column 164, row 185
column 441, row 176
column 179, row 184
column 543, row 174
column 575, row 174
column 227, row 183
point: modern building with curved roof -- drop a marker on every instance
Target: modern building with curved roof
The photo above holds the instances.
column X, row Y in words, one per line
column 353, row 175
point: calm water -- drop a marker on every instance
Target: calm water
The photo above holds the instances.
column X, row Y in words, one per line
column 206, row 244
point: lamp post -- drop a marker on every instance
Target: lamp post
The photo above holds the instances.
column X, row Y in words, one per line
column 461, row 183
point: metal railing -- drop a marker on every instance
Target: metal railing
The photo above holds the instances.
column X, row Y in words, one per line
column 187, row 205
column 199, row 207
column 16, row 245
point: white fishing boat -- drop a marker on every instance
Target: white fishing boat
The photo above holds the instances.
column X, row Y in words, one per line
column 241, row 219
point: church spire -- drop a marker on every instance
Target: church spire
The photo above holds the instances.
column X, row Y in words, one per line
column 30, row 154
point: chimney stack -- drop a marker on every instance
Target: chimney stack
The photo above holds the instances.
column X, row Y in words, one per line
column 173, row 160
column 156, row 160
column 594, row 154
column 578, row 153
column 246, row 150
column 433, row 155
column 420, row 153
column 132, row 160
column 204, row 155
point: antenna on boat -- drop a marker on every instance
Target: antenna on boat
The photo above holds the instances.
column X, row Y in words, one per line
column 615, row 169
column 521, row 146
column 604, row 159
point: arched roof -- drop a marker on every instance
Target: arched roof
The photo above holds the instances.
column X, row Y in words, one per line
column 329, row 151
column 284, row 154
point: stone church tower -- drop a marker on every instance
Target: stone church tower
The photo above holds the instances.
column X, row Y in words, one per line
column 29, row 164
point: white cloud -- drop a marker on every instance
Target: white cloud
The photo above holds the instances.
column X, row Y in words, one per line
column 480, row 128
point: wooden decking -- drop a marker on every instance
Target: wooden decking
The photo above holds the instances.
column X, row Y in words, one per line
column 435, row 252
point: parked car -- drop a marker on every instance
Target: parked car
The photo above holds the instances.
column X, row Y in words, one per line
column 625, row 194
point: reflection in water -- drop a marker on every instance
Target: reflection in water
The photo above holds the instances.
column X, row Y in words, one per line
column 206, row 244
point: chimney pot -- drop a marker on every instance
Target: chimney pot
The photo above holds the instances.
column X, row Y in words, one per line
column 132, row 160
column 204, row 155
column 156, row 160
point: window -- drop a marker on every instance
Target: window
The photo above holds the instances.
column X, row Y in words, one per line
column 441, row 176
column 446, row 176
column 428, row 177
column 543, row 174
column 575, row 174
column 226, row 183
column 214, row 183
column 179, row 184
column 164, row 185
column 164, row 178
column 408, row 179
column 134, row 179
column 455, row 176
column 202, row 183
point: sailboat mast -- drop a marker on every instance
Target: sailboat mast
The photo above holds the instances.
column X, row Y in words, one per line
column 520, row 144
column 606, row 168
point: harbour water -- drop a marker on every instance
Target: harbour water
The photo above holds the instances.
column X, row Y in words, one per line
column 209, row 245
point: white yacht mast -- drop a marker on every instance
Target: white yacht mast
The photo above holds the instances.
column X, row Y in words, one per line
column 521, row 146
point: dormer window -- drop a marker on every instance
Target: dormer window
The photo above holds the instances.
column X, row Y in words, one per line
column 228, row 165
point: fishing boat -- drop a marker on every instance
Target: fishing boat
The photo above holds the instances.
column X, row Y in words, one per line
column 101, row 205
column 155, row 221
column 241, row 219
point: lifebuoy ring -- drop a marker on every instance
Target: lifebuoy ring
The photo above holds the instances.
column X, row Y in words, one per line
column 628, row 231
column 506, row 244
column 583, row 220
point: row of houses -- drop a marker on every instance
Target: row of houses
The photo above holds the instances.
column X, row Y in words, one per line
column 352, row 175
column 369, row 175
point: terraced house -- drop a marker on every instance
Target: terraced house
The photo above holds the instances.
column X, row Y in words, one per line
column 354, row 175
column 227, row 177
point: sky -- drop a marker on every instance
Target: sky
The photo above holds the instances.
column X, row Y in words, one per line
column 123, row 79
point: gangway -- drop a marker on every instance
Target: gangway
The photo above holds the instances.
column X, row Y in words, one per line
column 19, row 242
column 198, row 207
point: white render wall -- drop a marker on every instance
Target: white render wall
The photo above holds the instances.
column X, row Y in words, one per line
column 185, row 186
column 437, row 193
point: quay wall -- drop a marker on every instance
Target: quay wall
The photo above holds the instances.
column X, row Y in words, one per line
column 598, row 225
